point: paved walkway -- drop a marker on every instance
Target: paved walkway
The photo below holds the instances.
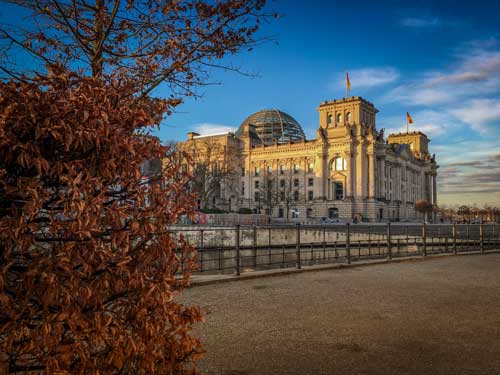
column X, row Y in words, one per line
column 440, row 316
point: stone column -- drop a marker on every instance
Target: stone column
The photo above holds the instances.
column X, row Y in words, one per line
column 434, row 189
column 421, row 184
column 398, row 181
column 360, row 171
column 371, row 175
column 319, row 177
column 348, row 185
column 382, row 178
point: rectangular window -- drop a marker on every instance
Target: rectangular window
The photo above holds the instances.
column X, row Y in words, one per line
column 296, row 182
column 310, row 195
column 310, row 182
column 243, row 172
column 269, row 169
column 280, row 212
column 310, row 168
column 282, row 169
column 309, row 212
column 282, row 196
column 242, row 188
column 257, row 196
column 257, row 184
column 339, row 190
column 282, row 183
column 296, row 195
column 257, row 171
column 295, row 168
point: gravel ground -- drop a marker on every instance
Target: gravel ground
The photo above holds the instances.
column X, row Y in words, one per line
column 440, row 316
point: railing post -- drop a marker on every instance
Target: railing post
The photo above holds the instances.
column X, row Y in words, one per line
column 269, row 257
column 255, row 248
column 481, row 237
column 348, row 242
column 424, row 239
column 468, row 237
column 237, row 243
column 299, row 266
column 369, row 242
column 454, row 231
column 389, row 244
column 201, row 250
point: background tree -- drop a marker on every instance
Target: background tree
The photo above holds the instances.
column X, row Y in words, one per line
column 288, row 194
column 214, row 167
column 88, row 270
column 425, row 207
column 464, row 211
column 268, row 193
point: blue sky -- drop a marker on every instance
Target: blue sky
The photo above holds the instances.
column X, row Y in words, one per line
column 438, row 60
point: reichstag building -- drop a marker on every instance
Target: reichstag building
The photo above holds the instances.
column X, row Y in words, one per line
column 350, row 171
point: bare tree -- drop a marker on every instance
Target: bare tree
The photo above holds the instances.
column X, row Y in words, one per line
column 214, row 167
column 287, row 194
column 144, row 43
column 464, row 211
column 425, row 207
column 268, row 194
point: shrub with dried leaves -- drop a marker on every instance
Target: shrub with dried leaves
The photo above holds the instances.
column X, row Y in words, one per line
column 88, row 270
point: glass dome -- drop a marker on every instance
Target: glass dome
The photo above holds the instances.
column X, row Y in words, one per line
column 273, row 124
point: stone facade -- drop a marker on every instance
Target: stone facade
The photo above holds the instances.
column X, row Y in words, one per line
column 349, row 171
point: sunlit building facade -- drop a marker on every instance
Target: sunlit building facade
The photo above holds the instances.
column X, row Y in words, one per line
column 351, row 170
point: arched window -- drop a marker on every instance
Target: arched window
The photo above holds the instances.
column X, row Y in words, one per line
column 329, row 118
column 348, row 117
column 339, row 164
column 339, row 117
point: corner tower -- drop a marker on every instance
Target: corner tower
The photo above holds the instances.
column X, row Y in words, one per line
column 336, row 116
column 417, row 141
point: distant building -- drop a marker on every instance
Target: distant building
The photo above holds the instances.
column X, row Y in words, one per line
column 349, row 171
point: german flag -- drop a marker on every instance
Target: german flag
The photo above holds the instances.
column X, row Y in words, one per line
column 409, row 120
column 347, row 83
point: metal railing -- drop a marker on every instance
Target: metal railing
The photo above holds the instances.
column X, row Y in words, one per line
column 240, row 249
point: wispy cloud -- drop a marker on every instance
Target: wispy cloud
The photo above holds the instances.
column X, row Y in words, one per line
column 480, row 114
column 207, row 128
column 433, row 123
column 367, row 77
column 469, row 171
column 421, row 22
column 476, row 71
column 467, row 91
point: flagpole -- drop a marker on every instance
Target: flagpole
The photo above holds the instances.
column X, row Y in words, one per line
column 407, row 126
